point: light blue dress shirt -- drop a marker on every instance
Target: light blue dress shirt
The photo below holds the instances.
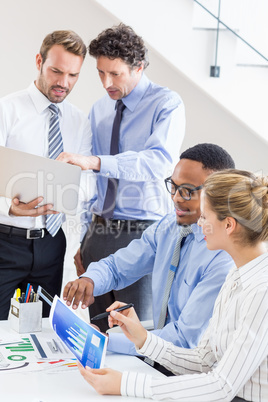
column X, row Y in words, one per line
column 151, row 133
column 196, row 284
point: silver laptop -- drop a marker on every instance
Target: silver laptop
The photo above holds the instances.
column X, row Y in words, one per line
column 28, row 176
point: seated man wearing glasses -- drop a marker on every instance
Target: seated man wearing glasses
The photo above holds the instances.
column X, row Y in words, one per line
column 199, row 274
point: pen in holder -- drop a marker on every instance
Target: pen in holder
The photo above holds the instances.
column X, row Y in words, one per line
column 26, row 317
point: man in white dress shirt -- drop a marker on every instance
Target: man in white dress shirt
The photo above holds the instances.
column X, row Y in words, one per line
column 30, row 253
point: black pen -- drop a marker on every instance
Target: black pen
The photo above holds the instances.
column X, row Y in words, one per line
column 107, row 313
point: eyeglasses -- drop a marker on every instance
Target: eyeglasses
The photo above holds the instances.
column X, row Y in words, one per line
column 185, row 192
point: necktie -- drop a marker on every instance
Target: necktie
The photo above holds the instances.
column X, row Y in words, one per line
column 185, row 230
column 55, row 147
column 110, row 196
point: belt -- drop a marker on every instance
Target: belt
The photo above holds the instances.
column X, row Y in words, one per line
column 30, row 234
column 118, row 224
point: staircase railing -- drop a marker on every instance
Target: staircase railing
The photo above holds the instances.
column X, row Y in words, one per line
column 215, row 70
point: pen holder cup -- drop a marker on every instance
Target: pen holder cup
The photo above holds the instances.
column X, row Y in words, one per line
column 26, row 317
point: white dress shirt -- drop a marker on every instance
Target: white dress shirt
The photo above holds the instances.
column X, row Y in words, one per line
column 24, row 125
column 232, row 355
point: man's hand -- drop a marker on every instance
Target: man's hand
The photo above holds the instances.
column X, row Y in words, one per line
column 129, row 322
column 85, row 162
column 78, row 263
column 31, row 208
column 80, row 290
column 104, row 381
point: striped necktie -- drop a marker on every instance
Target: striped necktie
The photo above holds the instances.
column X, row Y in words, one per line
column 55, row 147
column 185, row 230
column 110, row 196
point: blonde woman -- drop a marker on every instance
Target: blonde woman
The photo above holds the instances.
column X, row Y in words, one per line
column 230, row 363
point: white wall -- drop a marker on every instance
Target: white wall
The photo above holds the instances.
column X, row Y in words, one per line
column 208, row 121
column 23, row 26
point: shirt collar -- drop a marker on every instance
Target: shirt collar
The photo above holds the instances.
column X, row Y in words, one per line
column 40, row 101
column 135, row 96
column 197, row 231
column 250, row 271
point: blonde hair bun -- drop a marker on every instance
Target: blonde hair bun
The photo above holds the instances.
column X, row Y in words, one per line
column 243, row 196
column 260, row 191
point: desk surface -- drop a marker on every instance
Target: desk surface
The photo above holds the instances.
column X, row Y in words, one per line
column 63, row 386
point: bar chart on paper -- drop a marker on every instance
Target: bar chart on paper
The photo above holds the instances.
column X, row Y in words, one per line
column 84, row 341
column 35, row 347
column 18, row 352
column 77, row 337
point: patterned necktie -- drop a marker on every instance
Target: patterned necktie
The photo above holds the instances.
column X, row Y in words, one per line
column 185, row 230
column 110, row 197
column 55, row 147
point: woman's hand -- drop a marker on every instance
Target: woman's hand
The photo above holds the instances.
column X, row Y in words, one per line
column 128, row 322
column 104, row 381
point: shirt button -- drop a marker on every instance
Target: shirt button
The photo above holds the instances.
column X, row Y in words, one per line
column 234, row 285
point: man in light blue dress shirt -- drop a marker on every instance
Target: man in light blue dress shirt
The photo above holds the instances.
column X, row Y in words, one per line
column 200, row 273
column 151, row 133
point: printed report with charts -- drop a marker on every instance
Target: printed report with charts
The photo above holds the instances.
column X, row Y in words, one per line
column 85, row 342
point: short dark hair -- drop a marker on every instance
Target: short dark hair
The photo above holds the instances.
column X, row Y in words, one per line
column 68, row 39
column 121, row 42
column 212, row 156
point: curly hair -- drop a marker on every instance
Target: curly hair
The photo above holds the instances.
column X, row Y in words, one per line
column 120, row 42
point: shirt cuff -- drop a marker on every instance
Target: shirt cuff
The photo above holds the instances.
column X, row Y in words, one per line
column 153, row 347
column 136, row 384
column 109, row 166
column 144, row 348
column 118, row 343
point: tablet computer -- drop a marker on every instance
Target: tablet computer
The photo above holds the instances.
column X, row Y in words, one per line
column 28, row 176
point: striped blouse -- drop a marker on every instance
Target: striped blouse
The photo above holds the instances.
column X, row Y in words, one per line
column 232, row 356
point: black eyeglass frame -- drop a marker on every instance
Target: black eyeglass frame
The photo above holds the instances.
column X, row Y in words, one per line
column 178, row 188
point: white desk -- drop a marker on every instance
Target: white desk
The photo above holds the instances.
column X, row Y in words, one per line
column 63, row 386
